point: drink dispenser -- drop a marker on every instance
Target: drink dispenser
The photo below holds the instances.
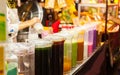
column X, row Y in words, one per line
column 11, row 61
column 90, row 42
column 43, row 55
column 67, row 49
column 92, row 34
column 57, row 53
column 23, row 54
column 95, row 33
column 74, row 46
column 85, row 53
column 80, row 45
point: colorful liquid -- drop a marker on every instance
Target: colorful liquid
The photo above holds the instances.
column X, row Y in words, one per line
column 85, row 54
column 57, row 58
column 12, row 69
column 1, row 60
column 95, row 40
column 67, row 55
column 80, row 50
column 67, row 64
column 2, row 27
column 74, row 53
column 90, row 49
column 67, row 48
column 43, row 61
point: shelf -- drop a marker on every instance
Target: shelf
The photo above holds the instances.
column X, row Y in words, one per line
column 90, row 64
column 92, row 5
column 80, row 65
column 96, row 5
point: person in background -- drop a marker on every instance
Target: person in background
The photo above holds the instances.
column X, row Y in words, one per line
column 13, row 23
column 42, row 4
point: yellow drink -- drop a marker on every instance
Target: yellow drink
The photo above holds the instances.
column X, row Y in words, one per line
column 1, row 60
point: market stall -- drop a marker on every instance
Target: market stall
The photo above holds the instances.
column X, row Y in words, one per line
column 60, row 37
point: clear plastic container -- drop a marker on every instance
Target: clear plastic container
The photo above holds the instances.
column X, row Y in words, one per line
column 80, row 45
column 11, row 61
column 85, row 53
column 11, row 64
column 57, row 53
column 23, row 55
column 67, row 50
column 43, row 55
column 90, row 42
column 74, row 46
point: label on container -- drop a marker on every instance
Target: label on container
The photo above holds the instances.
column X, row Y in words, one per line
column 1, row 60
column 2, row 28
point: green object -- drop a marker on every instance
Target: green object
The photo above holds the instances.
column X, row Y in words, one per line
column 12, row 69
column 74, row 53
column 43, row 61
column 2, row 28
column 66, row 47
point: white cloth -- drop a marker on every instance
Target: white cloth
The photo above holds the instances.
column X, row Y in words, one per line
column 12, row 23
column 12, row 20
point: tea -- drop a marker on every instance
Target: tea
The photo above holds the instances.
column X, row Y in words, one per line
column 57, row 58
column 43, row 57
column 80, row 50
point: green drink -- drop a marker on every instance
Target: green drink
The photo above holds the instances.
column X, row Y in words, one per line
column 12, row 69
column 43, row 55
column 74, row 53
column 2, row 28
column 42, row 61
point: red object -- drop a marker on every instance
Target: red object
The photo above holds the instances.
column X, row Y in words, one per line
column 55, row 26
column 47, row 22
